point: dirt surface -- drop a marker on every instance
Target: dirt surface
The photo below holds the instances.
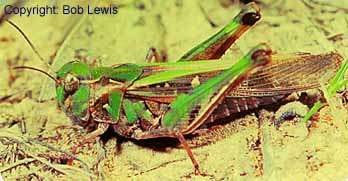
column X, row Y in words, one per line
column 36, row 137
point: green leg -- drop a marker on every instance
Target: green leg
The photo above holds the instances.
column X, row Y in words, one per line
column 216, row 46
column 137, row 111
column 206, row 97
column 114, row 104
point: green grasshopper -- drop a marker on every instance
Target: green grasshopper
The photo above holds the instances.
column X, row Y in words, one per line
column 144, row 101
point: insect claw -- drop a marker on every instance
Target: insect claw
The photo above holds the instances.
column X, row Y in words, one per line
column 197, row 172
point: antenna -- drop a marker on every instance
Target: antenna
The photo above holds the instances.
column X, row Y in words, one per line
column 30, row 43
column 38, row 70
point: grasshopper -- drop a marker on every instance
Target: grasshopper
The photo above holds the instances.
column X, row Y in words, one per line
column 145, row 101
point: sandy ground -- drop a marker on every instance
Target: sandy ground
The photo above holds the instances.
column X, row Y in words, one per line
column 35, row 136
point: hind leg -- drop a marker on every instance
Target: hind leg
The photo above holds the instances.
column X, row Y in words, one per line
column 183, row 142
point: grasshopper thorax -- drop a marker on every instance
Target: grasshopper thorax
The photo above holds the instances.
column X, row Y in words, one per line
column 72, row 92
column 88, row 94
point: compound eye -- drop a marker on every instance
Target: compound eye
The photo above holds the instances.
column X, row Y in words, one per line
column 71, row 83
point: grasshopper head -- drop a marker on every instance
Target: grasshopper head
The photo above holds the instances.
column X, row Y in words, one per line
column 72, row 94
column 71, row 83
column 70, row 75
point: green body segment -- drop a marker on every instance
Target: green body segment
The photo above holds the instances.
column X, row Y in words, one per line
column 135, row 111
column 182, row 106
column 80, row 100
column 141, row 111
column 219, row 37
column 60, row 94
column 173, row 70
column 130, row 111
column 77, row 68
column 336, row 83
column 122, row 73
column 114, row 106
column 215, row 46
